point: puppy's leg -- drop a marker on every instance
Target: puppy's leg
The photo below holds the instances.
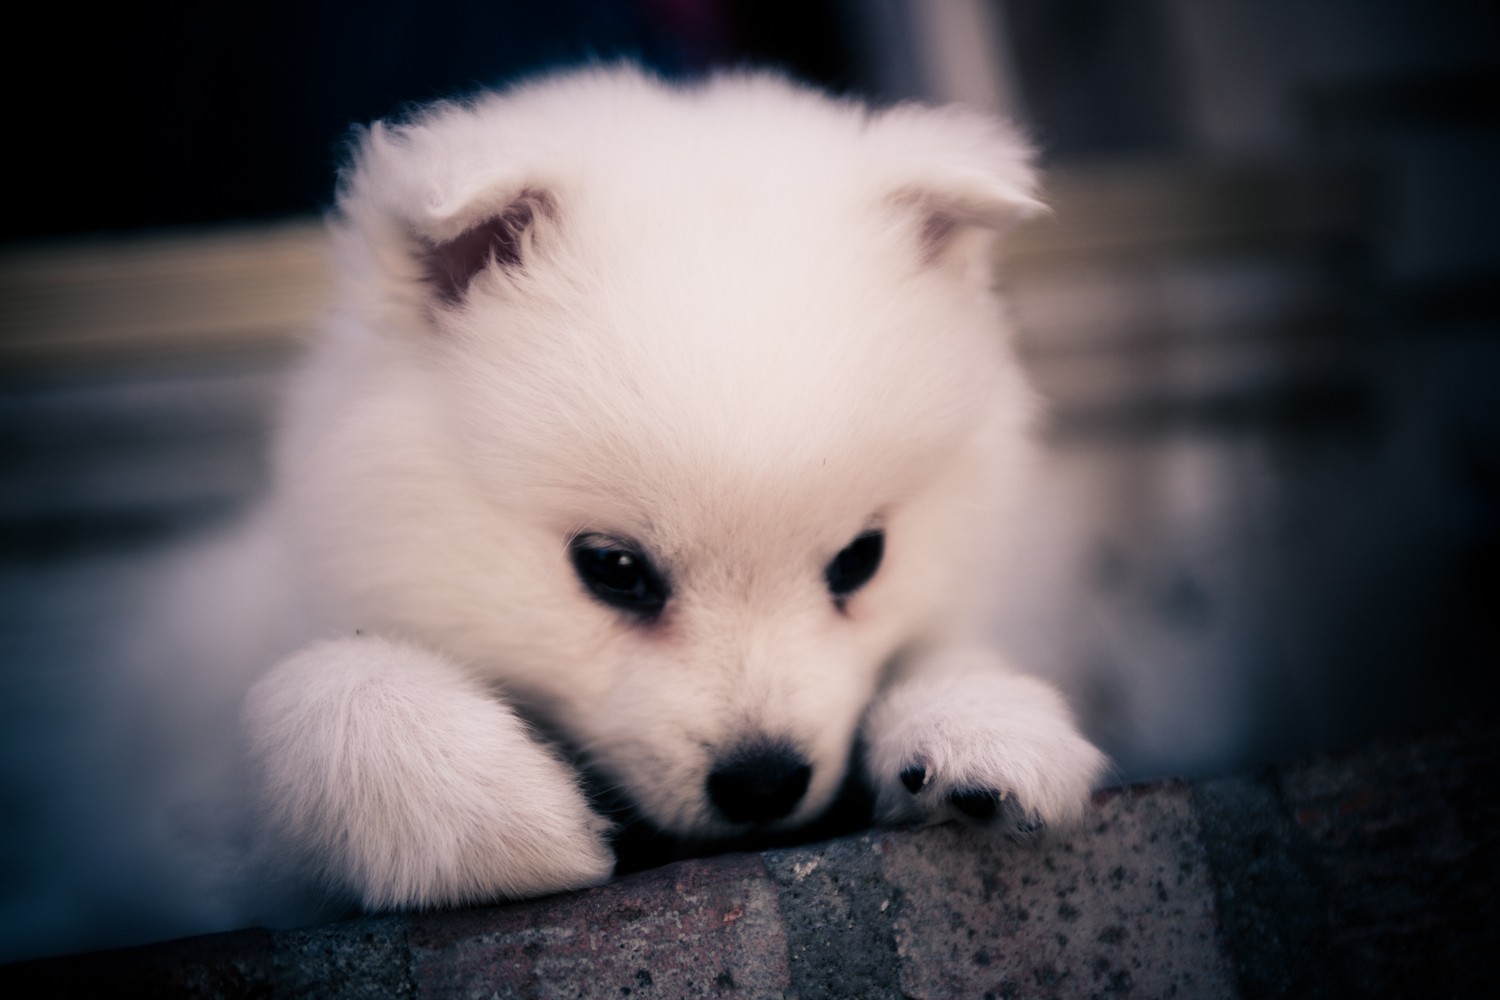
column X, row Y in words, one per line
column 962, row 737
column 395, row 776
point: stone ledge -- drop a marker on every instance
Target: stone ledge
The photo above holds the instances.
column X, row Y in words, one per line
column 1368, row 874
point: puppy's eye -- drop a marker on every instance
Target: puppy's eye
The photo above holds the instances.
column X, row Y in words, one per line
column 855, row 564
column 619, row 574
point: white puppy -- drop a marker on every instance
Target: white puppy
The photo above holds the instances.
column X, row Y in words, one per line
column 675, row 423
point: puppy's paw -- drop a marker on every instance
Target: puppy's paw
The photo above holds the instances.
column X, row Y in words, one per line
column 990, row 748
column 397, row 778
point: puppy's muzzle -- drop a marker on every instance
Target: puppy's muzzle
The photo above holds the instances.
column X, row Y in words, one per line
column 758, row 782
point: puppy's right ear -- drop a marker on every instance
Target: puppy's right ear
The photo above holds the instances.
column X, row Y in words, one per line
column 434, row 207
column 504, row 241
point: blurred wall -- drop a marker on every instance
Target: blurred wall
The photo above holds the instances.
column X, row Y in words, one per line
column 1261, row 310
column 1271, row 520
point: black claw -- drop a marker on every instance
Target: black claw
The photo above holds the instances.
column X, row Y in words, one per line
column 1029, row 826
column 1022, row 822
column 976, row 803
column 914, row 777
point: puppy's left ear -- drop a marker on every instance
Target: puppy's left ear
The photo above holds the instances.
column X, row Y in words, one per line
column 969, row 180
column 960, row 218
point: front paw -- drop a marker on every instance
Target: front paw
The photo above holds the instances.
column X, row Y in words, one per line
column 987, row 748
column 391, row 775
column 981, row 800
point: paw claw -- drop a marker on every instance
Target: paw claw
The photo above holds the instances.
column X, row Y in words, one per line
column 1027, row 827
column 1022, row 824
column 983, row 747
column 976, row 803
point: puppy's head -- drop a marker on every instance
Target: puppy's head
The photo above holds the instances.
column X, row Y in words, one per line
column 680, row 414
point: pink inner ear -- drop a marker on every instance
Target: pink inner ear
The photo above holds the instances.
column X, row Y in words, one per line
column 500, row 240
column 938, row 230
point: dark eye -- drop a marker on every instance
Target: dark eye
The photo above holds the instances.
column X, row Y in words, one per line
column 855, row 564
column 618, row 574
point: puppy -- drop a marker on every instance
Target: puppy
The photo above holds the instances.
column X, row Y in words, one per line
column 677, row 423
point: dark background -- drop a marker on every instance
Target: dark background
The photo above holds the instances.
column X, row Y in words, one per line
column 1272, row 350
column 170, row 114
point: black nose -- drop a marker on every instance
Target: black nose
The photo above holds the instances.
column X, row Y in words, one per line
column 758, row 783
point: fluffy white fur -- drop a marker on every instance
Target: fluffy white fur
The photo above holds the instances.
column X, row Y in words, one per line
column 736, row 323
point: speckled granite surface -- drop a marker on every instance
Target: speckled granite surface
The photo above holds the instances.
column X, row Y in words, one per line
column 1370, row 873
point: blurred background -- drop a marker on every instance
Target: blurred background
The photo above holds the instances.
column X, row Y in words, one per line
column 1264, row 310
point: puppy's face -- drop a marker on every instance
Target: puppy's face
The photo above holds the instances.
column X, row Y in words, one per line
column 739, row 500
column 681, row 450
column 733, row 665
